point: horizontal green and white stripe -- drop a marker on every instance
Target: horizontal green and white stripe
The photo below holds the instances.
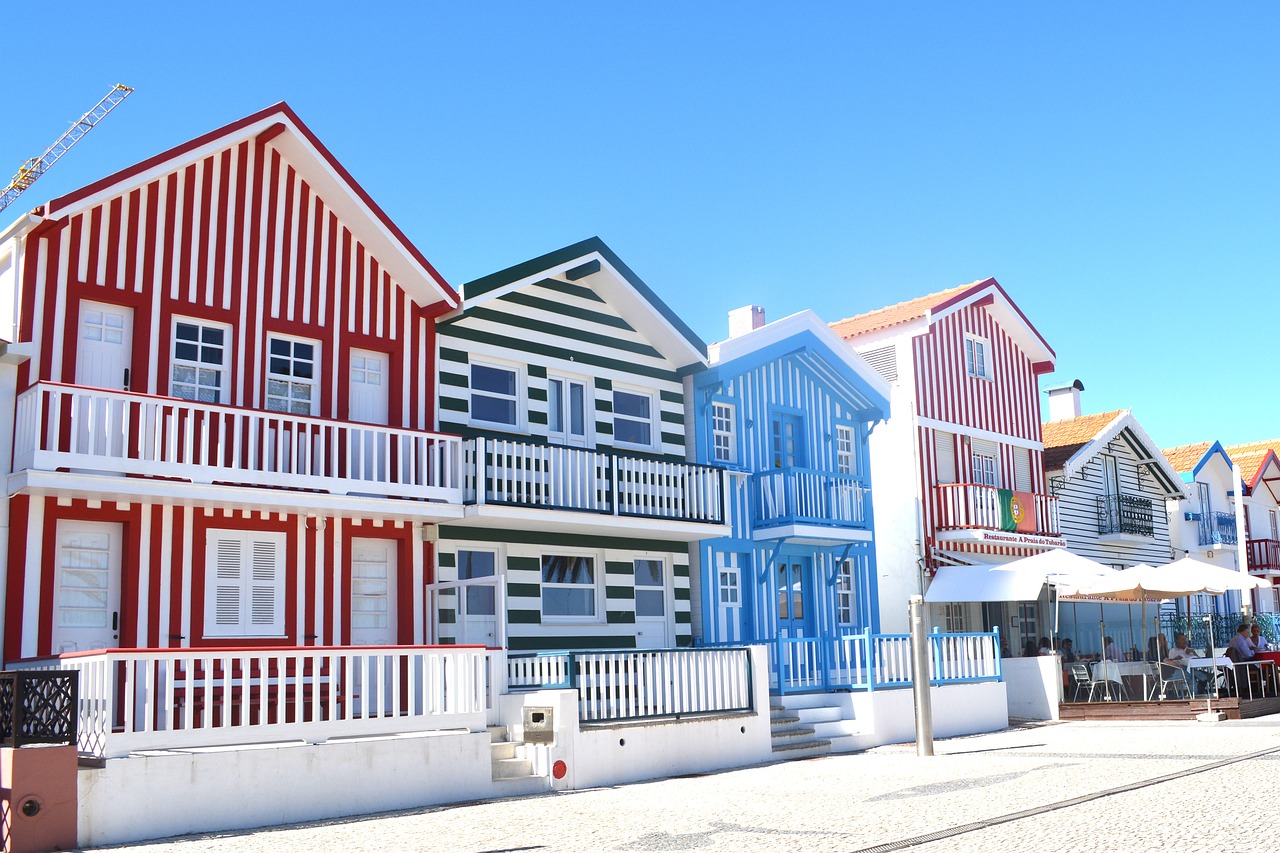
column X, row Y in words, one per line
column 521, row 572
column 559, row 328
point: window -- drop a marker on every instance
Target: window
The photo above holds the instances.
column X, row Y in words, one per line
column 568, row 585
column 566, row 410
column 244, row 584
column 291, row 376
column 787, row 440
column 944, row 447
column 846, row 460
column 730, row 592
column 495, row 395
column 724, row 433
column 474, row 565
column 844, row 593
column 632, row 418
column 986, row 470
column 651, row 598
column 953, row 616
column 1022, row 469
column 975, row 357
column 199, row 361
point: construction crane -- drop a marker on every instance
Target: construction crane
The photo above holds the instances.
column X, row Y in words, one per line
column 37, row 166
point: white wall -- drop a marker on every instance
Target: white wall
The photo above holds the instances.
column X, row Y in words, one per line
column 894, row 490
column 1033, row 686
column 157, row 794
column 611, row 754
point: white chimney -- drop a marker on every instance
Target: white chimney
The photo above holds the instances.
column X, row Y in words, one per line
column 744, row 319
column 1064, row 401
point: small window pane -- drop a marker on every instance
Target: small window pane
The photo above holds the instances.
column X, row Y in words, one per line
column 493, row 410
column 493, row 379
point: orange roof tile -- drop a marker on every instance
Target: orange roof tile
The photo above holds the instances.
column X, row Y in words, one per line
column 893, row 315
column 1250, row 456
column 1063, row 438
column 1184, row 458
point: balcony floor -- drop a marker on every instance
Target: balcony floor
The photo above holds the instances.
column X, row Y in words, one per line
column 498, row 516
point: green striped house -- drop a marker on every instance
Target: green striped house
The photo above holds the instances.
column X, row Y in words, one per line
column 565, row 374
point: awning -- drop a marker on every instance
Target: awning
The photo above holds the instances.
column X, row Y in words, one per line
column 983, row 583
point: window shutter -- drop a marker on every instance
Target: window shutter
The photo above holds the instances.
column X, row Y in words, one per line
column 264, row 603
column 883, row 360
column 227, row 584
column 1022, row 469
column 944, row 444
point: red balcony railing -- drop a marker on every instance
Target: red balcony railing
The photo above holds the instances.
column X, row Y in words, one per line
column 1264, row 555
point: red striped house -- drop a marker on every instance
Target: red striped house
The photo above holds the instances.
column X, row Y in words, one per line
column 968, row 460
column 221, row 362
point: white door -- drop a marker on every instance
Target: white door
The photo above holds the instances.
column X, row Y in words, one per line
column 86, row 586
column 368, row 402
column 374, row 622
column 373, row 593
column 104, row 344
column 478, row 600
column 729, row 599
column 567, row 411
column 651, row 604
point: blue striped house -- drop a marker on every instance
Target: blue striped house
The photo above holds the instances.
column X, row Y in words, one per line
column 564, row 375
column 785, row 409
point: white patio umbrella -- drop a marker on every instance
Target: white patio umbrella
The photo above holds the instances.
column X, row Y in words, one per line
column 1065, row 573
column 1172, row 580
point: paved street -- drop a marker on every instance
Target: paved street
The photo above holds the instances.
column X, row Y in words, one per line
column 1070, row 787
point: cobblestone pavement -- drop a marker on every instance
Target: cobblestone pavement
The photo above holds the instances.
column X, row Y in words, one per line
column 1070, row 787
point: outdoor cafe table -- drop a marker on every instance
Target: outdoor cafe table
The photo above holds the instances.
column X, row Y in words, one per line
column 1129, row 671
column 1212, row 664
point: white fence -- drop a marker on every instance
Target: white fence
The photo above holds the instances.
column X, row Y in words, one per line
column 521, row 473
column 94, row 429
column 966, row 505
column 871, row 661
column 633, row 685
column 161, row 698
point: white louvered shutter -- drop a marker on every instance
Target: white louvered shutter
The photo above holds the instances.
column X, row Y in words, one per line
column 1022, row 469
column 266, row 609
column 227, row 586
column 244, row 588
column 944, row 444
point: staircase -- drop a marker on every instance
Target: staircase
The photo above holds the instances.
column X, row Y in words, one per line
column 512, row 772
column 806, row 725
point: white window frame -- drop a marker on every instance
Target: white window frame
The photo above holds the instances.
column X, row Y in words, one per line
column 845, row 587
column 245, row 628
column 565, row 435
column 724, row 432
column 953, row 618
column 518, row 399
column 224, row 370
column 977, row 357
column 846, row 457
column 654, row 422
column 597, row 587
column 661, row 589
column 290, row 379
column 466, row 585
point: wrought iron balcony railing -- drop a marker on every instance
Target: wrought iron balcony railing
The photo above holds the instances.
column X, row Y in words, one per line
column 1214, row 528
column 1125, row 514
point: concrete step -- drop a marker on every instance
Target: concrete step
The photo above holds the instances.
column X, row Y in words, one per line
column 497, row 733
column 512, row 768
column 514, row 786
column 802, row 749
column 790, row 735
column 502, row 750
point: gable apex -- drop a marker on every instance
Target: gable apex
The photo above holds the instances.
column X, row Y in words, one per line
column 280, row 128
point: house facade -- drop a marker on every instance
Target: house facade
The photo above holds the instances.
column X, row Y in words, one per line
column 1207, row 524
column 564, row 375
column 1260, row 471
column 219, row 364
column 958, row 469
column 785, row 409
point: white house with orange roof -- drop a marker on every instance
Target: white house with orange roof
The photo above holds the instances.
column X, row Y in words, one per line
column 1260, row 471
column 958, row 468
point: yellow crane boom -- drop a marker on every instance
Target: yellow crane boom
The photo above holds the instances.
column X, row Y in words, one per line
column 37, row 166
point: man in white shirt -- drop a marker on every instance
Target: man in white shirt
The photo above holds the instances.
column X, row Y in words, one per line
column 1181, row 652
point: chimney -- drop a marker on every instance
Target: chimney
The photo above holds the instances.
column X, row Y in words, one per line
column 744, row 319
column 1064, row 401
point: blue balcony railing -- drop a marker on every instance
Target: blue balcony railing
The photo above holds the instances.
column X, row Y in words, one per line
column 805, row 496
column 1214, row 528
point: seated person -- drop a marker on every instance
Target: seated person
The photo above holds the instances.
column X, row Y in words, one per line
column 1181, row 652
column 1260, row 643
column 1240, row 648
column 1157, row 648
column 1067, row 650
column 1110, row 651
column 1045, row 647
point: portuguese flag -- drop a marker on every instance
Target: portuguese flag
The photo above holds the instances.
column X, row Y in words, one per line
column 1017, row 511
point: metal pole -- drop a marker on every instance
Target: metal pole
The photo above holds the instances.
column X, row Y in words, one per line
column 920, row 677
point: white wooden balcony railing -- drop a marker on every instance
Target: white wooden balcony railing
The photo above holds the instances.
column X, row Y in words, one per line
column 171, row 698
column 121, row 432
column 966, row 505
column 807, row 496
column 525, row 474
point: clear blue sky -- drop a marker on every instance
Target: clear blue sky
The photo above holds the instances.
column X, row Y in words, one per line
column 1113, row 165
